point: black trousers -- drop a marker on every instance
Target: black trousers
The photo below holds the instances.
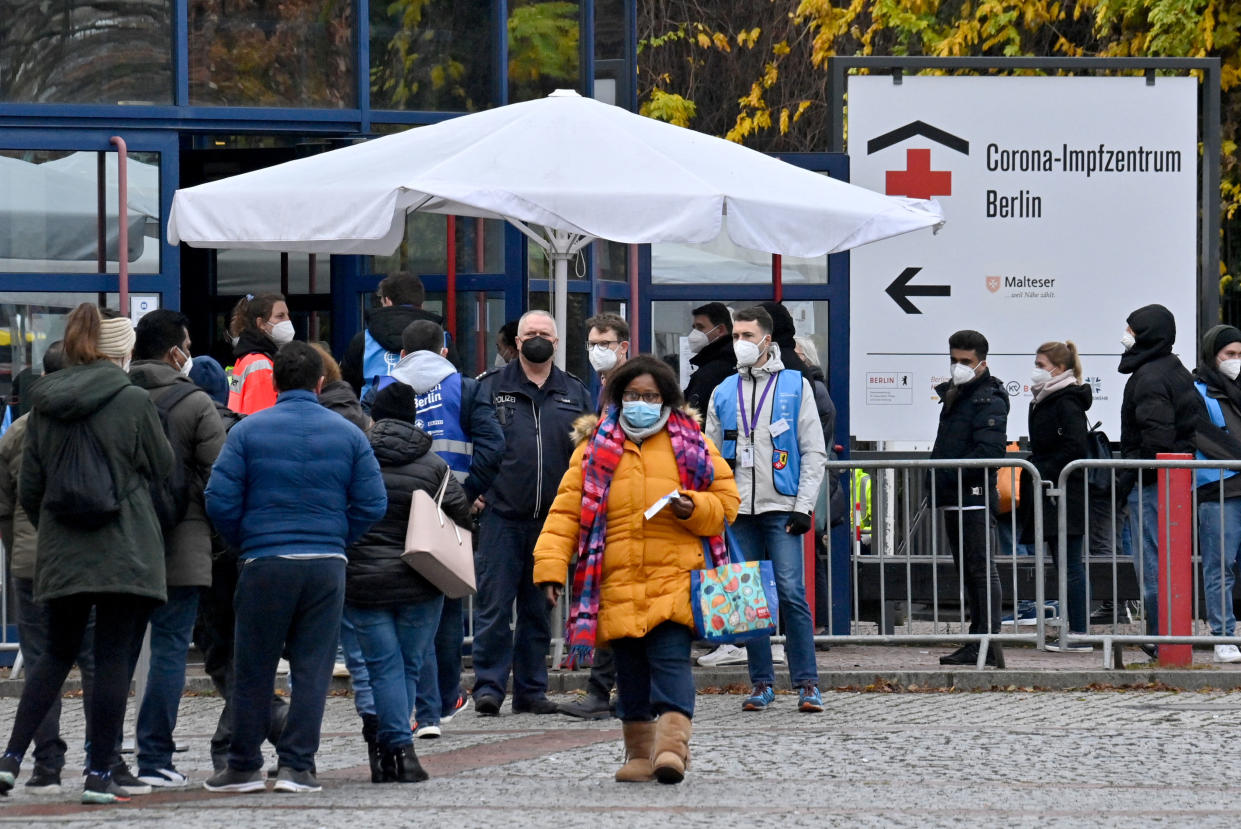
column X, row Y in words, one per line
column 120, row 621
column 969, row 533
column 602, row 674
column 214, row 636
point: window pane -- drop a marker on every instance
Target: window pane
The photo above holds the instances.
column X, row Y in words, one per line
column 480, row 245
column 240, row 272
column 113, row 52
column 609, row 29
column 297, row 53
column 421, row 251
column 479, row 317
column 611, row 261
column 542, row 48
column 434, row 55
column 49, row 212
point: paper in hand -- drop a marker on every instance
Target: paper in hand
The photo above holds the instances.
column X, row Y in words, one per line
column 654, row 508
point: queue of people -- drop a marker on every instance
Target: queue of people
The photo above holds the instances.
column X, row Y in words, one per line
column 148, row 487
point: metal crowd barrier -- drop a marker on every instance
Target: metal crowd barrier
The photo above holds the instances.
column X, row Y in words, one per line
column 1127, row 552
column 906, row 555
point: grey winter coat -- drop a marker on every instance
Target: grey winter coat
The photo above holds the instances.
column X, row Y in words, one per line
column 198, row 436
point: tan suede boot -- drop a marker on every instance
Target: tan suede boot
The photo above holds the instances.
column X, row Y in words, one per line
column 639, row 742
column 671, row 747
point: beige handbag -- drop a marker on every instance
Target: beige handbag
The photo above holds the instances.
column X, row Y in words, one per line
column 437, row 549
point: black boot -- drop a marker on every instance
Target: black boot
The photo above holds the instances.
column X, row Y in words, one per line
column 370, row 733
column 964, row 655
column 408, row 769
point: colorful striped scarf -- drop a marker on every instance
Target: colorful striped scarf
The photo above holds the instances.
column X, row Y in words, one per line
column 599, row 463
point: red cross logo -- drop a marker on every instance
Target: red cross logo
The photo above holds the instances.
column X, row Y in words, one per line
column 918, row 180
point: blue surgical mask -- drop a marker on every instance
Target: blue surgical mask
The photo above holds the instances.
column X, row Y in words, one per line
column 641, row 415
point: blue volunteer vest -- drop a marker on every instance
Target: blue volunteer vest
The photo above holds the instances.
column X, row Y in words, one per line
column 1207, row 476
column 377, row 362
column 439, row 415
column 785, row 403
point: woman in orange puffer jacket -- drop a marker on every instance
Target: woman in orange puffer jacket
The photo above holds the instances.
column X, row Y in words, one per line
column 632, row 582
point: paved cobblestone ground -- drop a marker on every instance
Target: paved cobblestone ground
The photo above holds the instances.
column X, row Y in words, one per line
column 907, row 759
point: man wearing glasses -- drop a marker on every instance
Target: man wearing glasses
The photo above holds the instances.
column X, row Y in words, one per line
column 535, row 404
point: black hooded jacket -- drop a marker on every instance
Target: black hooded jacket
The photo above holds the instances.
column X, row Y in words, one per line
column 715, row 362
column 972, row 424
column 386, row 325
column 375, row 575
column 1213, row 442
column 254, row 341
column 1161, row 410
column 1058, row 435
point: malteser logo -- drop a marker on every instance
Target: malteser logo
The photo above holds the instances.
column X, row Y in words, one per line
column 993, row 283
column 918, row 180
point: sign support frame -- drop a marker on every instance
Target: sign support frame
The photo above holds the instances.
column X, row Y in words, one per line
column 1208, row 303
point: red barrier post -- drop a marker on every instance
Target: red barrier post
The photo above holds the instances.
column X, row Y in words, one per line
column 1176, row 570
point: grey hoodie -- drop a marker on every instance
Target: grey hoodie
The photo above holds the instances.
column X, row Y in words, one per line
column 758, row 492
column 424, row 370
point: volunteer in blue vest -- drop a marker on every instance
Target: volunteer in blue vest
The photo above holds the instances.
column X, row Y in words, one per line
column 607, row 348
column 375, row 350
column 1219, row 490
column 536, row 404
column 464, row 432
column 764, row 420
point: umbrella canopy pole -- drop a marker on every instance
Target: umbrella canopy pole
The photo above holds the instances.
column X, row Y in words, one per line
column 560, row 246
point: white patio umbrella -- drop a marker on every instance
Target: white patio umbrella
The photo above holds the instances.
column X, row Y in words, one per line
column 564, row 170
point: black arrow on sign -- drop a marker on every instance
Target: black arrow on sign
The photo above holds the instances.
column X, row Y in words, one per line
column 900, row 290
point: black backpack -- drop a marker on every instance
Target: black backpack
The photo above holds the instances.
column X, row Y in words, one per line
column 171, row 495
column 1098, row 447
column 80, row 486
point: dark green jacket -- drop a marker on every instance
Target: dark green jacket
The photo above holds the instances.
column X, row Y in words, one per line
column 127, row 554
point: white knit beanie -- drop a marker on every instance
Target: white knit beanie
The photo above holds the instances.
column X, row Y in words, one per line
column 116, row 338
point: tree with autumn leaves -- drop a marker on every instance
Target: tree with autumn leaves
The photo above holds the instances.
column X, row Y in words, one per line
column 755, row 71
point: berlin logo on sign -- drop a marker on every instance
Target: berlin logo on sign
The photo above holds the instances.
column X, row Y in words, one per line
column 993, row 283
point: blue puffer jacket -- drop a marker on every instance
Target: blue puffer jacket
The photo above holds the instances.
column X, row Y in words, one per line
column 295, row 479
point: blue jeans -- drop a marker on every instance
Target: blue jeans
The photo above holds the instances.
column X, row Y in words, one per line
column 1075, row 575
column 654, row 674
column 172, row 627
column 1219, row 563
column 762, row 537
column 1145, row 551
column 284, row 604
column 394, row 641
column 359, row 678
column 439, row 684
column 504, row 568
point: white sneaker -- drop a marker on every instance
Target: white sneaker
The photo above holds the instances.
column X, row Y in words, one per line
column 777, row 654
column 724, row 655
column 164, row 779
column 1227, row 653
column 428, row 732
column 282, row 667
column 340, row 670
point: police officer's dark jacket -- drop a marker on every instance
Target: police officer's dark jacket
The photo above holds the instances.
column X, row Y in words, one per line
column 538, row 427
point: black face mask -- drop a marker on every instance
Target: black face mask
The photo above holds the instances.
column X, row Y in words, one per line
column 537, row 350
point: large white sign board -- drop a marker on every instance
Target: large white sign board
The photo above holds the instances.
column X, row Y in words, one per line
column 1070, row 202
